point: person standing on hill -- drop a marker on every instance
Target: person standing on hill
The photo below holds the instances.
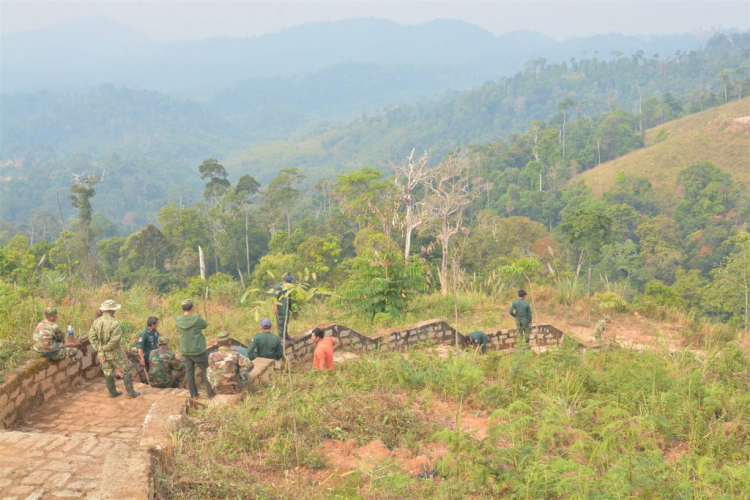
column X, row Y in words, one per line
column 193, row 346
column 324, row 346
column 165, row 370
column 521, row 311
column 106, row 336
column 265, row 344
column 228, row 370
column 283, row 306
column 148, row 340
column 48, row 338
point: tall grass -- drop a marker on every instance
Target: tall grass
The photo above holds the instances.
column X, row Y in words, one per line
column 615, row 423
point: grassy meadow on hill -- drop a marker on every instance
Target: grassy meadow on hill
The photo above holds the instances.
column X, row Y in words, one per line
column 720, row 135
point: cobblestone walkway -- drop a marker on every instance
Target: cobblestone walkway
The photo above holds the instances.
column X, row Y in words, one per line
column 86, row 445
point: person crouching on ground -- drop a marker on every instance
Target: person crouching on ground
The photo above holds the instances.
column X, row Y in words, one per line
column 105, row 336
column 165, row 370
column 324, row 346
column 476, row 339
column 48, row 339
column 148, row 340
column 228, row 370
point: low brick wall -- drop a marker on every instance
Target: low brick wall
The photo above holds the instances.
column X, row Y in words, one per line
column 436, row 331
column 41, row 380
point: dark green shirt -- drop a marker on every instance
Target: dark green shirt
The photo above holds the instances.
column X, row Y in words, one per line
column 521, row 310
column 192, row 341
column 480, row 338
column 148, row 341
column 265, row 345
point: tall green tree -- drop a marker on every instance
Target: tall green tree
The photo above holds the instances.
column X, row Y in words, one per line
column 280, row 195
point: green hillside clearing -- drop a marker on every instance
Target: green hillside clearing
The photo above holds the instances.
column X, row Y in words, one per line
column 720, row 135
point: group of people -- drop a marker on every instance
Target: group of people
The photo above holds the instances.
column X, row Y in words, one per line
column 227, row 369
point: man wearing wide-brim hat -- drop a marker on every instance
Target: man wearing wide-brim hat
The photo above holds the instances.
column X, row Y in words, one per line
column 105, row 336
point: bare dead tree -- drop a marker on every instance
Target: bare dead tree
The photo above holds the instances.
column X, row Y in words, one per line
column 450, row 192
column 410, row 174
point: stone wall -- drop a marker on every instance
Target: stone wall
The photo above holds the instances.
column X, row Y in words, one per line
column 301, row 347
column 41, row 380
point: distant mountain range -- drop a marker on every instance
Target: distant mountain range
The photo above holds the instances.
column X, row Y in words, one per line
column 82, row 53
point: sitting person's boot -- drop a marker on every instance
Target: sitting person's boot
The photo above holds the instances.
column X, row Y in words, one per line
column 113, row 392
column 129, row 387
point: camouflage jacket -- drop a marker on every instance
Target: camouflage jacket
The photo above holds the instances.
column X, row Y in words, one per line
column 599, row 328
column 224, row 367
column 47, row 337
column 162, row 364
column 105, row 335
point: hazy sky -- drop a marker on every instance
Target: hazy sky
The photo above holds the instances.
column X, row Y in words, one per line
column 181, row 20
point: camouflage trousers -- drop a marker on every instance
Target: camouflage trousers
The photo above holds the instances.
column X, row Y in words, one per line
column 524, row 334
column 233, row 387
column 176, row 379
column 64, row 352
column 114, row 360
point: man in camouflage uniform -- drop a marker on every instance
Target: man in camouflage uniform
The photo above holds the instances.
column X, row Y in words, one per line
column 165, row 370
column 48, row 338
column 228, row 370
column 283, row 306
column 600, row 327
column 105, row 336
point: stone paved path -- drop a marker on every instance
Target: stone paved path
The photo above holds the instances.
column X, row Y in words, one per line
column 86, row 445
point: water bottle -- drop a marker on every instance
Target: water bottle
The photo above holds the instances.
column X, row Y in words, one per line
column 71, row 333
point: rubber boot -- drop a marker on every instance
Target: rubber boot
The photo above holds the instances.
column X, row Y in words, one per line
column 129, row 387
column 113, row 392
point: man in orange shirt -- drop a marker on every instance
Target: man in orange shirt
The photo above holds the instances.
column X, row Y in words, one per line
column 323, row 357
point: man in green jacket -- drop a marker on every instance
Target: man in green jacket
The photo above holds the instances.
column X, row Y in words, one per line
column 478, row 338
column 521, row 311
column 193, row 346
column 266, row 344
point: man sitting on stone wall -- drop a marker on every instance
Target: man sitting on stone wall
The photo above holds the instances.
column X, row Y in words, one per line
column 266, row 344
column 48, row 338
column 228, row 370
column 165, row 370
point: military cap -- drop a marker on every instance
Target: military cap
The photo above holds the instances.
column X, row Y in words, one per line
column 109, row 305
column 50, row 311
column 222, row 336
column 265, row 323
column 187, row 302
column 163, row 341
column 608, row 318
column 288, row 278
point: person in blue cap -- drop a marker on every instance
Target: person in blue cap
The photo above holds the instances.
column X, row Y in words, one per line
column 283, row 306
column 265, row 344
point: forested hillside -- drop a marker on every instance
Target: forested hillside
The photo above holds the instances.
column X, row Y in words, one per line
column 720, row 135
column 656, row 88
